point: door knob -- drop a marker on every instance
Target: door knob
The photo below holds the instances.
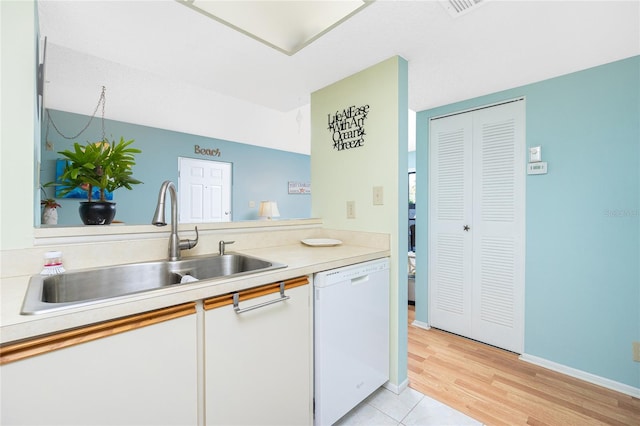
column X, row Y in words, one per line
column 466, row 228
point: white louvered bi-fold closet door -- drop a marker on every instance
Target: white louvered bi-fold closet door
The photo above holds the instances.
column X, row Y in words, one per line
column 476, row 252
column 450, row 268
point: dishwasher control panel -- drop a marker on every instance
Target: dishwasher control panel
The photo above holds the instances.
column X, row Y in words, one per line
column 351, row 272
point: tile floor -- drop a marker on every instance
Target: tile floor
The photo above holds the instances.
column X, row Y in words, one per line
column 410, row 408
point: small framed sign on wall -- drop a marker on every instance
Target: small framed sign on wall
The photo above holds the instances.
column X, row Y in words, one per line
column 299, row 188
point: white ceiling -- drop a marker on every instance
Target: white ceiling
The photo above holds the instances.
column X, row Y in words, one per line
column 500, row 45
column 287, row 26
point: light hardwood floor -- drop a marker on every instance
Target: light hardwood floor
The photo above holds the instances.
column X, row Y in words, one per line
column 495, row 387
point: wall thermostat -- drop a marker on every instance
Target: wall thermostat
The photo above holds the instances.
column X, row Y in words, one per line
column 539, row 168
column 535, row 154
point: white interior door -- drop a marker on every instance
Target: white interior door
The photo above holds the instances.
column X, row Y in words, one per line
column 204, row 189
column 450, row 201
column 476, row 256
column 498, row 225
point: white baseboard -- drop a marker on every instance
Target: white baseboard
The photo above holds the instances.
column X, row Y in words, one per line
column 421, row 324
column 397, row 389
column 583, row 375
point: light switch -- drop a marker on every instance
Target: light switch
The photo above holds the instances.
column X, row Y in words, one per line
column 378, row 196
column 351, row 209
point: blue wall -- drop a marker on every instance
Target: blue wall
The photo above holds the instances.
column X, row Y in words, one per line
column 582, row 306
column 258, row 173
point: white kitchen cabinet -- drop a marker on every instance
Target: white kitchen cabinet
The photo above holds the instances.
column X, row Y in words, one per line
column 139, row 370
column 259, row 362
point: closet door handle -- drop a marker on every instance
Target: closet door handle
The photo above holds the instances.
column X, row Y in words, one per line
column 466, row 228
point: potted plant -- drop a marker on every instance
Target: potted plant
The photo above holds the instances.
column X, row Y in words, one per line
column 49, row 213
column 105, row 166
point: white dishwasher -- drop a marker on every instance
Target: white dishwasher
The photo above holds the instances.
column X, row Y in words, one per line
column 351, row 337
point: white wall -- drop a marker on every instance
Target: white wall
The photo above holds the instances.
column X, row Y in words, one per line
column 158, row 103
column 17, row 123
column 75, row 80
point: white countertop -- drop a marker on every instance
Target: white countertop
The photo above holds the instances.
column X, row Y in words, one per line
column 299, row 258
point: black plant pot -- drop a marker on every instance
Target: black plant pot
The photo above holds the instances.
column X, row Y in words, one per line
column 97, row 212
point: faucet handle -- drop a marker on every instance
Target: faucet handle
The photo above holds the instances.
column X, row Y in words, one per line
column 189, row 244
column 222, row 244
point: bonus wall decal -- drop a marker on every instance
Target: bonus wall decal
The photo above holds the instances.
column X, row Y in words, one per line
column 347, row 127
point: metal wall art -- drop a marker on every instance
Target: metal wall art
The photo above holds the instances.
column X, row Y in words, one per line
column 207, row 151
column 347, row 127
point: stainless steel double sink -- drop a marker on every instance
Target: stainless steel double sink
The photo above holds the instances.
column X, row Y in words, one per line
column 89, row 286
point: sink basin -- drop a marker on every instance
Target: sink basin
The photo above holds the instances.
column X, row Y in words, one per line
column 105, row 282
column 72, row 289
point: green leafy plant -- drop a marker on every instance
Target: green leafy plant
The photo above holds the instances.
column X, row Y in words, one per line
column 49, row 203
column 103, row 165
column 46, row 202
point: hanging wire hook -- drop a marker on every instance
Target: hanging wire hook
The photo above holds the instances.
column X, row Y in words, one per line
column 101, row 100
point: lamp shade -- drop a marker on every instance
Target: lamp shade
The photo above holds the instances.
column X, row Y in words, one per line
column 268, row 209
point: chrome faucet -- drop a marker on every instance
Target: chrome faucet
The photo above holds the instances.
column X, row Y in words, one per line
column 222, row 245
column 175, row 243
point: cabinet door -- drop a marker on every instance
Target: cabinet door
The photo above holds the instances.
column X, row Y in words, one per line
column 259, row 363
column 146, row 375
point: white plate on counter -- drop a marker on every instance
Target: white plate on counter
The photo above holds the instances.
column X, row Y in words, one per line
column 321, row 242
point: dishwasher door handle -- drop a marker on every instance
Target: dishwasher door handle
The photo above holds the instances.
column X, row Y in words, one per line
column 360, row 280
column 238, row 310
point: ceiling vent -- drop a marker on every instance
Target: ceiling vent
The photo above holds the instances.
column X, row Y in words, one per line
column 460, row 7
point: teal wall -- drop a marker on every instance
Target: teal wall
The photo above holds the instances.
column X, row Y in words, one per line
column 582, row 303
column 258, row 173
